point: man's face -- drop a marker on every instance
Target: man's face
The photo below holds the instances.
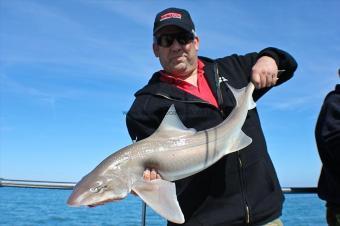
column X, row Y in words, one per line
column 177, row 59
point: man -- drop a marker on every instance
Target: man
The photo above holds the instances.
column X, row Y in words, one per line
column 242, row 188
column 327, row 134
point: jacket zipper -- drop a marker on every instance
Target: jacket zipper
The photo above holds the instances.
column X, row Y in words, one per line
column 220, row 98
column 247, row 216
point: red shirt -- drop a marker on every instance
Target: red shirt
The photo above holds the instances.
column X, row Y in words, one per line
column 202, row 90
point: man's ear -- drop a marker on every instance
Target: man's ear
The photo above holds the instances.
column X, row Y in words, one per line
column 155, row 48
column 196, row 43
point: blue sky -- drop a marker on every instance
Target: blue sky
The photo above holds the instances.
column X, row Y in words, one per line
column 69, row 69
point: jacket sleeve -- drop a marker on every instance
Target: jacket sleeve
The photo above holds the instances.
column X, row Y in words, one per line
column 284, row 61
column 141, row 123
column 138, row 122
column 136, row 128
column 329, row 125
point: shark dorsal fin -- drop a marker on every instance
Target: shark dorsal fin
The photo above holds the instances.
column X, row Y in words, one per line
column 172, row 126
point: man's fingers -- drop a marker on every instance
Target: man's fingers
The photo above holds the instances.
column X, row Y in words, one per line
column 153, row 174
column 264, row 72
column 146, row 174
column 256, row 79
column 270, row 79
column 264, row 79
column 275, row 78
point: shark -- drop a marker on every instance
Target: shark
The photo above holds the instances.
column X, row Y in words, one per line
column 175, row 151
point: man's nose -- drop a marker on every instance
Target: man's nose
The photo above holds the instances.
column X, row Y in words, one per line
column 176, row 46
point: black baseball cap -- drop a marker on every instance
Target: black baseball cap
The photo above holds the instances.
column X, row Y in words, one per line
column 174, row 16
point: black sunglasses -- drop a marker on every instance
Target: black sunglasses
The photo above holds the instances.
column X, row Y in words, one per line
column 182, row 38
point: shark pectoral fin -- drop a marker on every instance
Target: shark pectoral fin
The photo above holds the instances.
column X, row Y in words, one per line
column 160, row 195
column 242, row 141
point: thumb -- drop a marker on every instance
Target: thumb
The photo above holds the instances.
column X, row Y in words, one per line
column 255, row 78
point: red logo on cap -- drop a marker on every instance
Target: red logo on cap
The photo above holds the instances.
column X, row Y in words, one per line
column 171, row 15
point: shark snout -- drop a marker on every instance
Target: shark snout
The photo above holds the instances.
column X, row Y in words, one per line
column 76, row 199
column 72, row 201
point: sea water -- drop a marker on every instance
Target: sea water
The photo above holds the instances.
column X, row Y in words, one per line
column 29, row 206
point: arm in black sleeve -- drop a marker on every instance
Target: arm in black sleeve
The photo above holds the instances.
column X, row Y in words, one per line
column 328, row 126
column 240, row 67
column 141, row 123
column 137, row 129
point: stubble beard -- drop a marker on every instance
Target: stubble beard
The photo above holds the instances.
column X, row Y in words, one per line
column 181, row 68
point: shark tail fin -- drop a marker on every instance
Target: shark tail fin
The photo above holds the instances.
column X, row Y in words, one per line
column 239, row 93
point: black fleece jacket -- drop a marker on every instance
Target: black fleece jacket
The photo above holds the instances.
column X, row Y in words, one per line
column 242, row 188
column 327, row 134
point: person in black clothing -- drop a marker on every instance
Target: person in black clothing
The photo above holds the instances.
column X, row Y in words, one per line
column 242, row 188
column 327, row 134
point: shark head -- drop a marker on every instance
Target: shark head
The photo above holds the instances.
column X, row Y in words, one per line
column 93, row 190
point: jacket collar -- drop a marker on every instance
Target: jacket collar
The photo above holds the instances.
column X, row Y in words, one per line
column 157, row 87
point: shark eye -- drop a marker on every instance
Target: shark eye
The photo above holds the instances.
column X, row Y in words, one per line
column 97, row 187
column 94, row 190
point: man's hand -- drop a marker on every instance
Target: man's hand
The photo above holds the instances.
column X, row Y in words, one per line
column 151, row 175
column 264, row 72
